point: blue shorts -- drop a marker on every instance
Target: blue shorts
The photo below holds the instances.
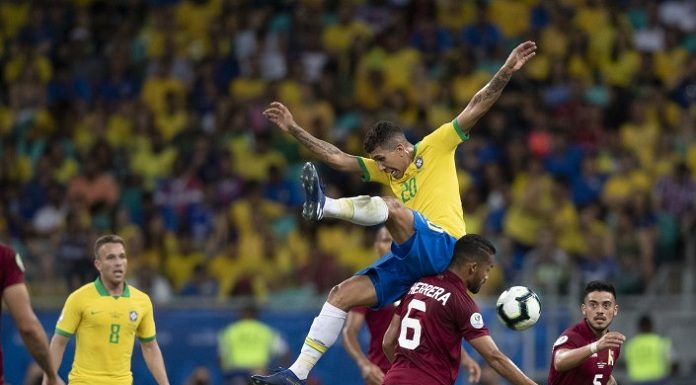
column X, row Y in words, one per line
column 428, row 252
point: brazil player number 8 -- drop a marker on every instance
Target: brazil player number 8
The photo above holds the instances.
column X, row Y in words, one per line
column 411, row 323
column 114, row 337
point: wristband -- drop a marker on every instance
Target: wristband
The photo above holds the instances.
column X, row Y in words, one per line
column 593, row 347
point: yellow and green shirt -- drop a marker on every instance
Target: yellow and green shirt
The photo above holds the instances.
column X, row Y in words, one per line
column 105, row 327
column 430, row 184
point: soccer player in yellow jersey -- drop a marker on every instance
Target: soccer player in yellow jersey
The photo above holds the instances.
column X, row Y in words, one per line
column 105, row 316
column 425, row 219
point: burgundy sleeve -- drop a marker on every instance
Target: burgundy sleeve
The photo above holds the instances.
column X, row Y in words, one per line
column 470, row 320
column 568, row 340
column 11, row 270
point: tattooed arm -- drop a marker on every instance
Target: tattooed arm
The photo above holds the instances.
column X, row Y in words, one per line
column 484, row 99
column 326, row 152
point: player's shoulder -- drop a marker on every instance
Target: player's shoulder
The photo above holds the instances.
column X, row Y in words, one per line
column 573, row 333
column 138, row 294
column 436, row 133
column 84, row 292
column 89, row 288
column 7, row 253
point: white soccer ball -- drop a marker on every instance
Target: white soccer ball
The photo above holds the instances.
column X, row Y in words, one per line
column 518, row 308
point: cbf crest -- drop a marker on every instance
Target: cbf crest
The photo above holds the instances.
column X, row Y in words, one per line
column 419, row 162
column 133, row 316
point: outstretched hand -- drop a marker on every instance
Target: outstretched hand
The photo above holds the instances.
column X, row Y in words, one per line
column 473, row 368
column 521, row 55
column 611, row 340
column 277, row 113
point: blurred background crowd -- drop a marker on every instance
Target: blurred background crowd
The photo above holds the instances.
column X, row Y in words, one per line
column 143, row 118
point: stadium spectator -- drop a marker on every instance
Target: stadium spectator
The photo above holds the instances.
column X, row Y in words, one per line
column 91, row 82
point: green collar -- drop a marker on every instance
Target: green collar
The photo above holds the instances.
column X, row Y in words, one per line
column 104, row 293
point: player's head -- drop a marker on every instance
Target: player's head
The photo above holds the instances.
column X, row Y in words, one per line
column 249, row 311
column 472, row 260
column 645, row 324
column 599, row 304
column 386, row 144
column 110, row 258
column 383, row 241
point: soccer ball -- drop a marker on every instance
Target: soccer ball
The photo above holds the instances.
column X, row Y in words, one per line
column 518, row 308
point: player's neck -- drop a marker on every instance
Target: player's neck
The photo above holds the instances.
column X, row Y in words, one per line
column 113, row 288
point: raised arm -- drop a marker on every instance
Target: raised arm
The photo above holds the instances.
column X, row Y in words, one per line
column 17, row 299
column 326, row 152
column 484, row 99
column 370, row 372
column 499, row 361
column 566, row 359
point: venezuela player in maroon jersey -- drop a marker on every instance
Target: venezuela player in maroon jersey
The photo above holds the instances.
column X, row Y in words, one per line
column 586, row 352
column 424, row 337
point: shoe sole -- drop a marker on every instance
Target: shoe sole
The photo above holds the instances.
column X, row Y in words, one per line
column 310, row 208
column 257, row 381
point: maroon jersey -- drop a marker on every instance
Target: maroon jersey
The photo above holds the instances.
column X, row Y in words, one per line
column 594, row 370
column 11, row 273
column 377, row 323
column 435, row 314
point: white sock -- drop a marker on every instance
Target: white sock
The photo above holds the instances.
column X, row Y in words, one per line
column 363, row 209
column 323, row 333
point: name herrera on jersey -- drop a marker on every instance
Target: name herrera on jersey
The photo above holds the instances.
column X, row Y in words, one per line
column 430, row 291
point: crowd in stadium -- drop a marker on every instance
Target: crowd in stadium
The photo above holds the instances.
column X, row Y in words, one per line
column 143, row 118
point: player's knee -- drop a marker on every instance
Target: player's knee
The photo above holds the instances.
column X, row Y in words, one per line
column 340, row 297
column 394, row 205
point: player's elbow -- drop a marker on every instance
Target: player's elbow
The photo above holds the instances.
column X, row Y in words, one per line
column 389, row 347
column 342, row 162
column 496, row 359
column 559, row 363
column 348, row 333
column 30, row 330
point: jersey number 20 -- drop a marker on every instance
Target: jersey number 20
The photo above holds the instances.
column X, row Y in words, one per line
column 414, row 324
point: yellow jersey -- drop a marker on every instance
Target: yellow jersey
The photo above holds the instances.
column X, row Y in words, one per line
column 105, row 327
column 429, row 185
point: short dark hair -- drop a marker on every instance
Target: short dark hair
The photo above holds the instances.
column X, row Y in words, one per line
column 472, row 248
column 383, row 134
column 104, row 239
column 598, row 286
column 645, row 323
